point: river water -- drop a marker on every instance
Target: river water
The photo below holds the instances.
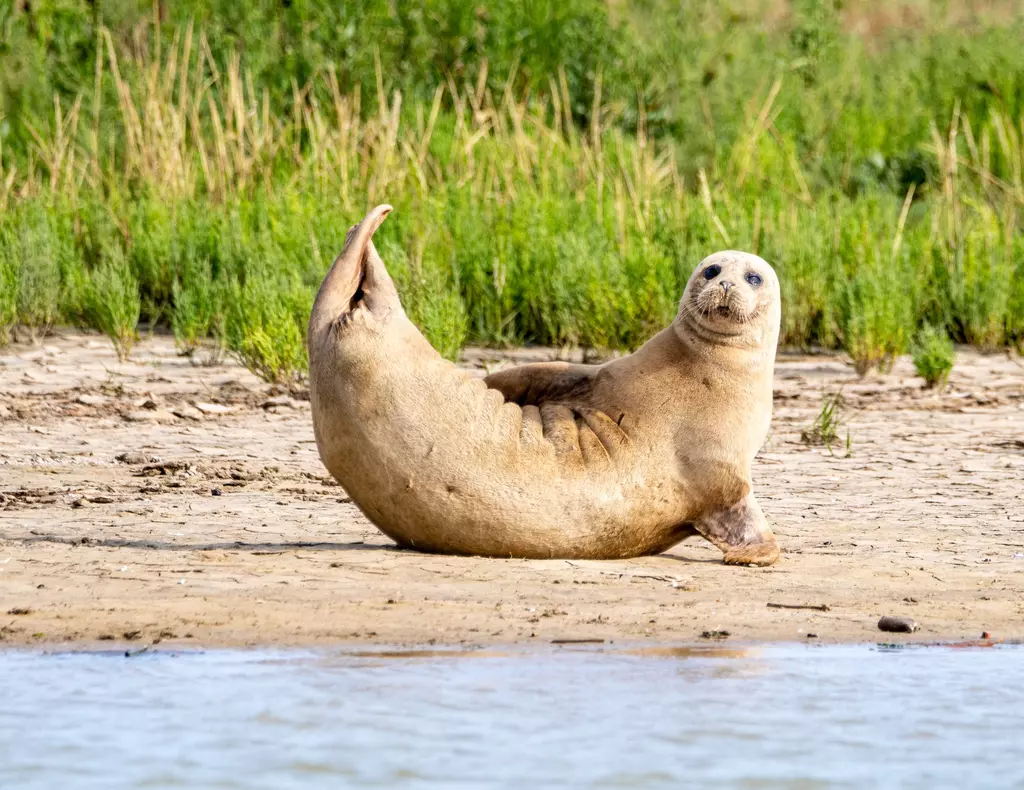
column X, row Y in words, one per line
column 596, row 716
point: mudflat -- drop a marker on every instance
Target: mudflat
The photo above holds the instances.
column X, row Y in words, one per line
column 164, row 500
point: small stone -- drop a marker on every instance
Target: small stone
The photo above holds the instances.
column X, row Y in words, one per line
column 149, row 416
column 187, row 413
column 87, row 399
column 898, row 625
column 216, row 492
column 278, row 401
column 100, row 500
column 715, row 635
column 812, row 636
column 213, row 408
column 131, row 636
column 135, row 458
column 19, row 610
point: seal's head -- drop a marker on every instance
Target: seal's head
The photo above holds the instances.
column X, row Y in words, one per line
column 732, row 296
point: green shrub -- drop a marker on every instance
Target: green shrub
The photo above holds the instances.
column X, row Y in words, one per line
column 34, row 250
column 875, row 316
column 8, row 294
column 199, row 315
column 112, row 303
column 875, row 288
column 933, row 353
column 266, row 327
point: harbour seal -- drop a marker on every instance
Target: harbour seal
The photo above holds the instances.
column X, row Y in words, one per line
column 549, row 460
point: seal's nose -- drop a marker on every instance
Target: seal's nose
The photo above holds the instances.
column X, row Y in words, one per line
column 726, row 285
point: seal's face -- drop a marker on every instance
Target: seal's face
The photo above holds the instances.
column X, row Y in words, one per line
column 729, row 292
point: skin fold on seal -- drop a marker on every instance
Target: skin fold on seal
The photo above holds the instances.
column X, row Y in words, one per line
column 549, row 460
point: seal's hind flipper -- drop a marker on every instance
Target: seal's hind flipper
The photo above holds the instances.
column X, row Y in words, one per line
column 358, row 277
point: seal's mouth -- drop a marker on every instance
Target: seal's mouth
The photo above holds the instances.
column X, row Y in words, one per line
column 723, row 311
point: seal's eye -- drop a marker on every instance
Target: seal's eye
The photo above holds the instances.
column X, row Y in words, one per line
column 712, row 272
column 754, row 279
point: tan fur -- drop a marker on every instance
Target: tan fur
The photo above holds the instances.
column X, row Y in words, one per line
column 548, row 460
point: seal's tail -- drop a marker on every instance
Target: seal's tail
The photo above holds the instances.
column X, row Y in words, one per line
column 358, row 276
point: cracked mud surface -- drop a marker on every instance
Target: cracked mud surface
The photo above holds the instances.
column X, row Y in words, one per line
column 160, row 500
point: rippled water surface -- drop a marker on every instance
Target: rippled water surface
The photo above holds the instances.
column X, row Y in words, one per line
column 595, row 716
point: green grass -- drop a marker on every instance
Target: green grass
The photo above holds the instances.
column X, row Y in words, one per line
column 544, row 193
column 826, row 425
column 933, row 355
column 112, row 302
column 8, row 298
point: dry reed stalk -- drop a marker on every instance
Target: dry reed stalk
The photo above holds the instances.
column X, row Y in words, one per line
column 705, row 194
column 898, row 239
column 760, row 125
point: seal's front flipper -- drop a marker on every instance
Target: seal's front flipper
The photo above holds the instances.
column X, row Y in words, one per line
column 540, row 382
column 741, row 532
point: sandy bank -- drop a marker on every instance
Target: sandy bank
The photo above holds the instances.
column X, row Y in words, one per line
column 162, row 500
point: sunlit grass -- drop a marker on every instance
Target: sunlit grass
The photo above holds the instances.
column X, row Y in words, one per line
column 218, row 217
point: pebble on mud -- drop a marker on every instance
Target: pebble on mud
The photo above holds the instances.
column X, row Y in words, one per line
column 715, row 635
column 213, row 408
column 900, row 625
column 136, row 458
column 279, row 401
column 87, row 399
column 149, row 416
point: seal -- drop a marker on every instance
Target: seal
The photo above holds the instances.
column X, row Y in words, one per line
column 549, row 460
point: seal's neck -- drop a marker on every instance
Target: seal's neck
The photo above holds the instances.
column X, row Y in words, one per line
column 750, row 337
column 752, row 349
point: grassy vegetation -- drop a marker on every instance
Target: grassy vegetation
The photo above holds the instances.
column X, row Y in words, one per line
column 933, row 355
column 557, row 170
column 826, row 425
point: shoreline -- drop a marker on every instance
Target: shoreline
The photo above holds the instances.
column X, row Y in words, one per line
column 653, row 647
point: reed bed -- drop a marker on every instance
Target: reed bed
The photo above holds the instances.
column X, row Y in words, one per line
column 201, row 205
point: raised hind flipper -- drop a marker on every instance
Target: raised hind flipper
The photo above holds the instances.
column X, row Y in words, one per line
column 356, row 282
